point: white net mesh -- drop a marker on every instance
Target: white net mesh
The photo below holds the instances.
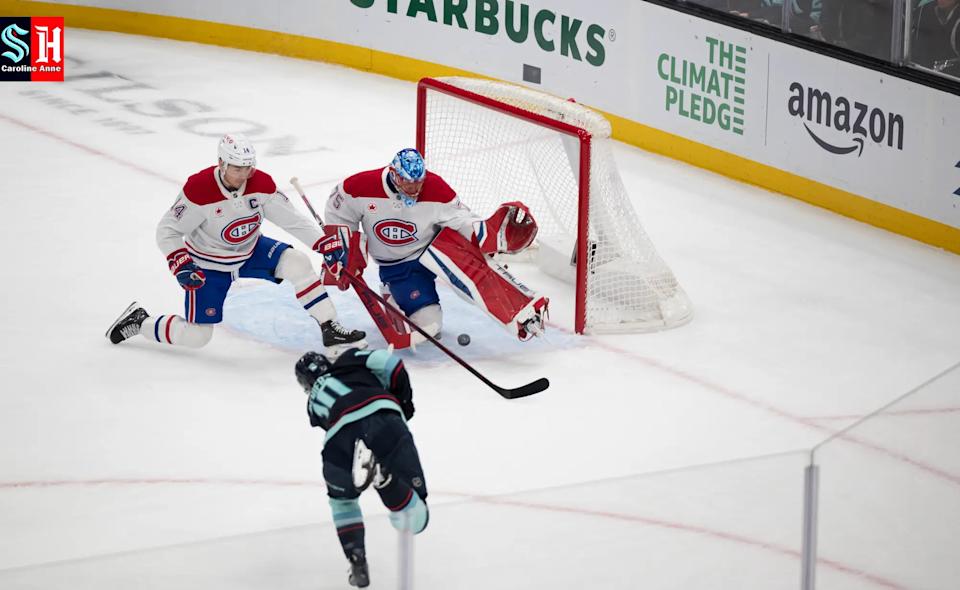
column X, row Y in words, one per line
column 490, row 157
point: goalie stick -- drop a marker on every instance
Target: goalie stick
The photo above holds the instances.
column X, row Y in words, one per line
column 361, row 286
column 393, row 337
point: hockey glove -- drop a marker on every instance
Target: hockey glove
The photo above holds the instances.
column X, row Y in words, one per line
column 343, row 251
column 509, row 230
column 189, row 275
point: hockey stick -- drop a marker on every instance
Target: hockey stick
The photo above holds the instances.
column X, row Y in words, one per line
column 522, row 391
column 393, row 337
column 360, row 285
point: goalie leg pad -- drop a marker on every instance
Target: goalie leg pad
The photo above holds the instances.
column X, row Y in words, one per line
column 483, row 282
column 430, row 318
column 398, row 324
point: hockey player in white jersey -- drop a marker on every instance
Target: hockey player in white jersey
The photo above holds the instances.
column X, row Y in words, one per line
column 417, row 229
column 211, row 236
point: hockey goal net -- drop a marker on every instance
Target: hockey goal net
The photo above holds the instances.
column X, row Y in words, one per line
column 496, row 142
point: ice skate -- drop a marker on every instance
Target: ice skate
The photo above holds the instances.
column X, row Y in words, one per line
column 128, row 324
column 359, row 572
column 381, row 478
column 337, row 339
column 364, row 466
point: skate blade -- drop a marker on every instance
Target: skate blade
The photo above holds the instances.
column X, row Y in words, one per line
column 335, row 350
column 363, row 466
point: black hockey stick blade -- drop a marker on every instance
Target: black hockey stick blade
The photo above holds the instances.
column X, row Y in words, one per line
column 525, row 390
column 522, row 391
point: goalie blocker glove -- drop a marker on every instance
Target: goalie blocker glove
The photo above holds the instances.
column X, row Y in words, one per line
column 343, row 251
column 509, row 230
column 188, row 274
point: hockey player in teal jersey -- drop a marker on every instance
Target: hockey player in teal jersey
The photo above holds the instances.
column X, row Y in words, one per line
column 363, row 400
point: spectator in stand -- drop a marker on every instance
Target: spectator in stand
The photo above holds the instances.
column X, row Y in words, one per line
column 805, row 18
column 936, row 36
column 766, row 11
column 769, row 12
column 863, row 26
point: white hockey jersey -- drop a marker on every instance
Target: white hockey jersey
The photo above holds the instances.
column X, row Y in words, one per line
column 397, row 232
column 220, row 227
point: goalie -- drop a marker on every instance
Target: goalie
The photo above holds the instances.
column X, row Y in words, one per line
column 416, row 230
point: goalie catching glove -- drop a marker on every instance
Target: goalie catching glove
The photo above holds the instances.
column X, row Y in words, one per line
column 344, row 253
column 509, row 230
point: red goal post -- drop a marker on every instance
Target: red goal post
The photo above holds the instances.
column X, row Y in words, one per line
column 496, row 142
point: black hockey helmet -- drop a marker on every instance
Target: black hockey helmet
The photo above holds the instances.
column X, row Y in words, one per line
column 311, row 366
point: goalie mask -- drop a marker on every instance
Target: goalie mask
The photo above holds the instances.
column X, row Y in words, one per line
column 407, row 173
column 311, row 367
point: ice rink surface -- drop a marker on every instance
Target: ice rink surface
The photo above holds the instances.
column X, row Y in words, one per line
column 665, row 460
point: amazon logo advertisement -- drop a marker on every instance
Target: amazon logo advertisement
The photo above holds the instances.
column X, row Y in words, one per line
column 844, row 126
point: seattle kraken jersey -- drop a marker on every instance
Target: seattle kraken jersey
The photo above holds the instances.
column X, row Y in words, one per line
column 220, row 227
column 397, row 232
column 359, row 383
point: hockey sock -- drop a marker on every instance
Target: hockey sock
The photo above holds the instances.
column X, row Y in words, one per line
column 173, row 329
column 407, row 510
column 411, row 514
column 314, row 298
column 348, row 519
column 296, row 268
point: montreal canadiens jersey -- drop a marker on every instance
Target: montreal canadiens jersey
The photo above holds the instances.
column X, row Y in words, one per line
column 397, row 232
column 220, row 227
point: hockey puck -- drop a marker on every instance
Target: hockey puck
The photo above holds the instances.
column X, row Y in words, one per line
column 463, row 339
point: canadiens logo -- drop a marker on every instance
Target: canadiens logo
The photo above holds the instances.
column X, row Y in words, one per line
column 240, row 230
column 395, row 232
